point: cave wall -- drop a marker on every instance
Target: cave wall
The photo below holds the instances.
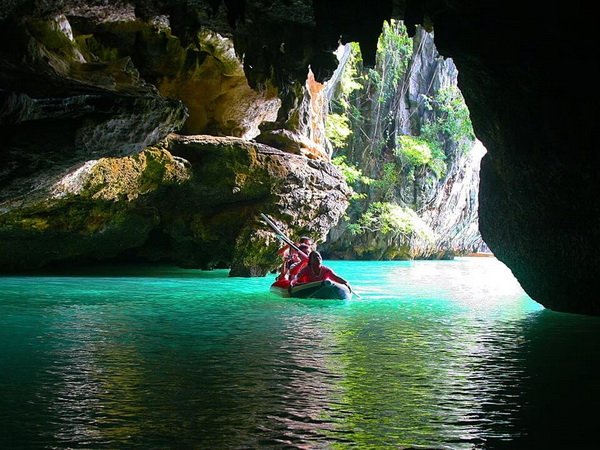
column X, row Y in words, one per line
column 521, row 68
column 525, row 69
column 89, row 90
column 194, row 201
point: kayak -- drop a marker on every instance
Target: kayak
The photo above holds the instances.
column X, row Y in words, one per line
column 327, row 290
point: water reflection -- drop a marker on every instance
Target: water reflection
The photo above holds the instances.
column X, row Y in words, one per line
column 432, row 361
column 562, row 366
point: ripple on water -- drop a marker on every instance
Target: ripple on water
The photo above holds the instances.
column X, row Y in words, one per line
column 432, row 355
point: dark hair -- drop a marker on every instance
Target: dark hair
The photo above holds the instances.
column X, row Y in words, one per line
column 303, row 247
column 314, row 255
column 305, row 239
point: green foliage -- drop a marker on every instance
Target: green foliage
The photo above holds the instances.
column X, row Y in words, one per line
column 420, row 151
column 372, row 113
column 352, row 175
column 375, row 78
column 351, row 79
column 364, row 96
column 337, row 129
column 453, row 121
column 390, row 218
column 389, row 179
column 394, row 49
column 415, row 150
column 438, row 166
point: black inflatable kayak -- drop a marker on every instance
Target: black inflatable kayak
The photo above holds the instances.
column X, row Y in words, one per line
column 327, row 290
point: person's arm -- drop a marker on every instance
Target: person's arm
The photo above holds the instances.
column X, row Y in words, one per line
column 297, row 276
column 335, row 277
column 282, row 251
column 284, row 271
column 297, row 268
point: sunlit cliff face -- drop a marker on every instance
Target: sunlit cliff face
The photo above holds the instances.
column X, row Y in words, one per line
column 523, row 72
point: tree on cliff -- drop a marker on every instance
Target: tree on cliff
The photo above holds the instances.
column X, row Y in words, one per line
column 405, row 130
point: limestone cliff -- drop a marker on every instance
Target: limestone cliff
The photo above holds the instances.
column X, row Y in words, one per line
column 411, row 92
column 91, row 91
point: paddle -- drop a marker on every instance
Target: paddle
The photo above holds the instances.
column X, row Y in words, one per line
column 282, row 236
column 288, row 241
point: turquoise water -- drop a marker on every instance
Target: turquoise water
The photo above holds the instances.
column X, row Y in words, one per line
column 434, row 354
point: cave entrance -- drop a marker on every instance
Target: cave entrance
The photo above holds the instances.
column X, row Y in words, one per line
column 401, row 133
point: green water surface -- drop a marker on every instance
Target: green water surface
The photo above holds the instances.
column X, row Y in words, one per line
column 433, row 354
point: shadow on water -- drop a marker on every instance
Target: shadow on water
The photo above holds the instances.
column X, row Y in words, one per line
column 122, row 270
column 559, row 400
column 539, row 389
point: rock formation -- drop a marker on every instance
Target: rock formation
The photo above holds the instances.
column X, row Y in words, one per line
column 91, row 91
column 538, row 193
column 523, row 66
column 191, row 200
column 429, row 208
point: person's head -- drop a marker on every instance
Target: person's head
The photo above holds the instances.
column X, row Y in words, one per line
column 306, row 240
column 315, row 259
column 304, row 248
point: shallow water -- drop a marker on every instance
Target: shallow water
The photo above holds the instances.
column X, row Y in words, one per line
column 433, row 354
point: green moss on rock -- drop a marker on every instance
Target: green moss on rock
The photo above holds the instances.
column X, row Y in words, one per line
column 128, row 178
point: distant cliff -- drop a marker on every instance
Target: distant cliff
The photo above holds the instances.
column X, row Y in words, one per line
column 409, row 134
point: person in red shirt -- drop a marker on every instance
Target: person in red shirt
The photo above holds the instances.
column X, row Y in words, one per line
column 291, row 257
column 315, row 271
column 294, row 262
column 300, row 262
column 285, row 251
